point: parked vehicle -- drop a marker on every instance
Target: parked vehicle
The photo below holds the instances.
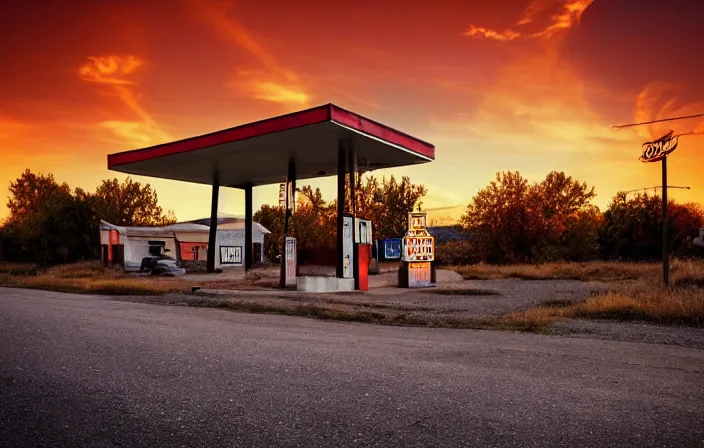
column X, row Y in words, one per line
column 161, row 264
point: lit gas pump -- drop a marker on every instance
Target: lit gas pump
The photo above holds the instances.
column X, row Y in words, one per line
column 363, row 237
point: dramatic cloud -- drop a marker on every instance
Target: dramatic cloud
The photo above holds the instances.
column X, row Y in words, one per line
column 662, row 100
column 567, row 15
column 277, row 83
column 271, row 91
column 110, row 69
column 219, row 16
column 263, row 86
column 115, row 71
column 136, row 132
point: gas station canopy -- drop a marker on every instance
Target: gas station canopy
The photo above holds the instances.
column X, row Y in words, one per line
column 259, row 153
column 322, row 141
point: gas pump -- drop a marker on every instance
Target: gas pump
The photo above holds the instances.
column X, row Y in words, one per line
column 363, row 240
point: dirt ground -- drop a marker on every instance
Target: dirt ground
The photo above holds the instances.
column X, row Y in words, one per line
column 471, row 299
column 475, row 298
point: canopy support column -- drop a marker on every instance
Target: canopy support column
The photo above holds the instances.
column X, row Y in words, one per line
column 248, row 246
column 290, row 205
column 213, row 225
column 341, row 168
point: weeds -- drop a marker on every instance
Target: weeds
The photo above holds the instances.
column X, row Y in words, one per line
column 685, row 272
column 89, row 277
column 515, row 322
column 18, row 268
column 604, row 271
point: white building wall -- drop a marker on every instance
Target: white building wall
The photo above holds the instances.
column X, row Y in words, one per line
column 230, row 248
column 230, row 244
column 137, row 247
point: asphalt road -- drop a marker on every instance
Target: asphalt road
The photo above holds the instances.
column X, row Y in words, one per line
column 89, row 371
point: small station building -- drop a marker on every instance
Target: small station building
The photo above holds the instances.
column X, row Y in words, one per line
column 186, row 242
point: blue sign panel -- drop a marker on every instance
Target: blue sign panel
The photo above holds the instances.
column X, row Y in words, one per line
column 391, row 249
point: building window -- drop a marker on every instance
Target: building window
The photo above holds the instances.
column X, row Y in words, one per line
column 156, row 248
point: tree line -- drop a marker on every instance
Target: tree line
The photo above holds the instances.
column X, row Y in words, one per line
column 49, row 223
column 515, row 221
column 386, row 202
column 511, row 220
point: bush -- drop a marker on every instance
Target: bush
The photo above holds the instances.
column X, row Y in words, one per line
column 456, row 253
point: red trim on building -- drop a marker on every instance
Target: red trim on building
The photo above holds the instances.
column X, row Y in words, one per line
column 378, row 130
column 320, row 114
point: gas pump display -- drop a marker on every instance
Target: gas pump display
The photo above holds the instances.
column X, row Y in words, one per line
column 363, row 235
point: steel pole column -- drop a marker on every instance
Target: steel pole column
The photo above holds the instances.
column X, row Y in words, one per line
column 352, row 166
column 290, row 196
column 665, row 248
column 210, row 266
column 341, row 154
column 248, row 247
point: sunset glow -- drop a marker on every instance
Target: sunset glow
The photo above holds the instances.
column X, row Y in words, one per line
column 533, row 86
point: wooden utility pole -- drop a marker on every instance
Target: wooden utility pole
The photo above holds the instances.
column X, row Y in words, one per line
column 665, row 246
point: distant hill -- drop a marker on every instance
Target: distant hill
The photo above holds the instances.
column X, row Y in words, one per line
column 443, row 234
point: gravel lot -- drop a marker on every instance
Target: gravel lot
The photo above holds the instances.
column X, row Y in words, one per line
column 512, row 295
column 472, row 298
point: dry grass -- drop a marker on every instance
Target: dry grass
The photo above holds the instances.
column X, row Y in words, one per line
column 88, row 278
column 636, row 292
column 679, row 306
column 537, row 320
column 393, row 317
column 596, row 270
column 115, row 287
column 643, row 301
column 18, row 268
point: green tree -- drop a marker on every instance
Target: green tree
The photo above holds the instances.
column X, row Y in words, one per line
column 387, row 203
column 568, row 223
column 632, row 228
column 30, row 193
column 272, row 218
column 50, row 224
column 47, row 224
column 502, row 220
column 130, row 204
column 314, row 222
column 514, row 221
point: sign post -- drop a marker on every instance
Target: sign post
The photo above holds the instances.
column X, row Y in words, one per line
column 656, row 151
column 417, row 253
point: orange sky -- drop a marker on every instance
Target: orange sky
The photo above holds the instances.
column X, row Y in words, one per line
column 516, row 85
